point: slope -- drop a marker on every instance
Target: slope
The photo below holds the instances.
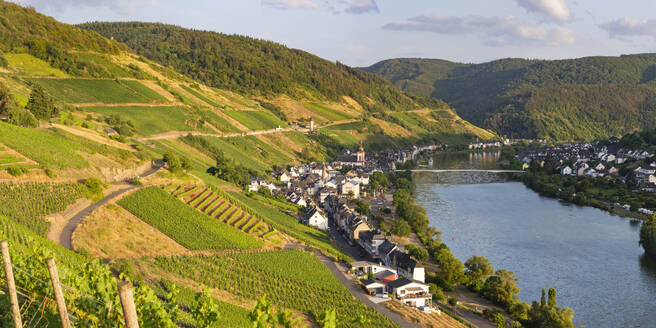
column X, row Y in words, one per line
column 581, row 98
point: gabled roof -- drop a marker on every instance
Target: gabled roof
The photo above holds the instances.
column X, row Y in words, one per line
column 399, row 283
column 404, row 260
column 384, row 274
column 386, row 247
column 370, row 235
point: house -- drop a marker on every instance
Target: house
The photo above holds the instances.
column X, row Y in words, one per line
column 111, row 132
column 351, row 186
column 365, row 267
column 315, row 218
column 370, row 240
column 356, row 227
column 406, row 266
column 285, row 177
column 385, row 250
column 409, row 292
column 375, row 287
column 256, row 183
column 600, row 167
column 300, row 202
column 613, row 170
column 386, row 276
column 566, row 170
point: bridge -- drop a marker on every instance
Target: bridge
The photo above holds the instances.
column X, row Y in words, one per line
column 463, row 170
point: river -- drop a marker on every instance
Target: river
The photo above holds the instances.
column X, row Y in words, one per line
column 591, row 257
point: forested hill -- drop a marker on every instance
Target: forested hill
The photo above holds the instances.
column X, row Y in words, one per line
column 249, row 65
column 581, row 98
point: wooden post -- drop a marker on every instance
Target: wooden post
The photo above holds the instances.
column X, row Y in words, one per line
column 11, row 284
column 127, row 301
column 59, row 295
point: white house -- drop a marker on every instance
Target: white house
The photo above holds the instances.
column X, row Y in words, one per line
column 350, row 186
column 412, row 293
column 375, row 287
column 566, row 170
column 315, row 218
column 285, row 177
column 366, row 267
column 600, row 167
column 256, row 183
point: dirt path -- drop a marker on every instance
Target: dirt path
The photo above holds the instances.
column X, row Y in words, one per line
column 62, row 231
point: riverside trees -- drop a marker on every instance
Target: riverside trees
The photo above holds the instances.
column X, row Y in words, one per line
column 648, row 236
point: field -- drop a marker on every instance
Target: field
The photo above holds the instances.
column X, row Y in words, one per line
column 29, row 203
column 290, row 226
column 98, row 91
column 42, row 146
column 220, row 207
column 231, row 151
column 150, row 120
column 260, row 150
column 326, row 112
column 342, row 136
column 101, row 60
column 32, row 66
column 217, row 121
column 198, row 95
column 284, row 290
column 256, row 120
column 295, row 265
column 184, row 224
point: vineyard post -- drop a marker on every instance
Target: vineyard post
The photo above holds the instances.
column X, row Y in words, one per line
column 127, row 301
column 11, row 284
column 59, row 295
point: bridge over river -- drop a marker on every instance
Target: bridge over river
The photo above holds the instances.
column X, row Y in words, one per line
column 463, row 170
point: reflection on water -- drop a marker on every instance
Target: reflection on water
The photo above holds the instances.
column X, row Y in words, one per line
column 462, row 160
column 592, row 258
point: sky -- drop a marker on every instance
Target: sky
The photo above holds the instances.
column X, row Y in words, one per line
column 363, row 32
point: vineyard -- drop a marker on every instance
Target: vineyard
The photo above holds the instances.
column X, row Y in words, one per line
column 216, row 205
column 184, row 224
column 149, row 120
column 98, row 91
column 29, row 203
column 256, row 120
column 326, row 112
column 249, row 281
column 295, row 265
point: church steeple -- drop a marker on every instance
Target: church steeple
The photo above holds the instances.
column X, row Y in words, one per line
column 360, row 154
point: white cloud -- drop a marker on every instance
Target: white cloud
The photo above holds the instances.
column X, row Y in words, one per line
column 123, row 7
column 497, row 31
column 291, row 4
column 335, row 6
column 362, row 6
column 627, row 27
column 555, row 10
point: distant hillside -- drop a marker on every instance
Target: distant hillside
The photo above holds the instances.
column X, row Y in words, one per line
column 248, row 65
column 582, row 98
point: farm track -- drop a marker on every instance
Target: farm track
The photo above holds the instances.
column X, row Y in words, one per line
column 65, row 237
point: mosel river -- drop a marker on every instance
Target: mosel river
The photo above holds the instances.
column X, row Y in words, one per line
column 591, row 257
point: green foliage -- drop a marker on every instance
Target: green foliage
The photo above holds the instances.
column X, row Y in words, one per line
column 98, row 91
column 326, row 112
column 176, row 164
column 584, row 98
column 22, row 117
column 501, row 288
column 418, row 253
column 205, row 311
column 7, row 101
column 478, row 268
column 184, row 224
column 400, row 228
column 293, row 264
column 256, row 120
column 451, row 272
column 648, row 236
column 247, row 65
column 230, row 274
column 378, row 180
column 3, row 60
column 549, row 314
column 29, row 203
column 41, row 104
column 94, row 186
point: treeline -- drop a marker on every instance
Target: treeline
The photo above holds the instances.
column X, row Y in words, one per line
column 648, row 236
column 40, row 106
column 585, row 98
column 249, row 65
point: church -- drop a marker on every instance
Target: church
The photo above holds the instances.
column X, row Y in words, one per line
column 352, row 159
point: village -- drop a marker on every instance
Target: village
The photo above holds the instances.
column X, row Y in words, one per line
column 596, row 160
column 329, row 192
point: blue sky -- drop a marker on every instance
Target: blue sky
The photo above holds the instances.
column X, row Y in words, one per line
column 362, row 32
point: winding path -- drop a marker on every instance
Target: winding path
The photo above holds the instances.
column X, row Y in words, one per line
column 65, row 237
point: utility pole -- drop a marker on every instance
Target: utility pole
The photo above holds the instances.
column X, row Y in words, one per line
column 11, row 284
column 59, row 295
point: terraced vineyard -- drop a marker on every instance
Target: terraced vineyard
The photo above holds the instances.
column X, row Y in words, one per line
column 256, row 119
column 188, row 227
column 29, row 203
column 98, row 91
column 285, row 290
column 218, row 206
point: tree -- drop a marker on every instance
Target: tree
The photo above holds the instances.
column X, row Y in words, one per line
column 451, row 271
column 547, row 313
column 648, row 236
column 173, row 161
column 499, row 320
column 41, row 104
column 501, row 288
column 400, row 228
column 378, row 180
column 7, row 101
column 264, row 191
column 263, row 316
column 22, row 117
column 419, row 253
column 478, row 268
column 3, row 60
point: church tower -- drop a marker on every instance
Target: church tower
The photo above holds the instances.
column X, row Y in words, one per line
column 360, row 154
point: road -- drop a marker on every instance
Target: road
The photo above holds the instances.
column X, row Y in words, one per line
column 65, row 237
column 463, row 170
column 359, row 293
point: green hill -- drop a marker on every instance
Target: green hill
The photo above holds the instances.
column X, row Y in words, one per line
column 583, row 98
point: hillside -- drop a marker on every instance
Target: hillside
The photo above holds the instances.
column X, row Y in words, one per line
column 582, row 99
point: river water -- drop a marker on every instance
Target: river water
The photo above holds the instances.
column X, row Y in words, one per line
column 591, row 257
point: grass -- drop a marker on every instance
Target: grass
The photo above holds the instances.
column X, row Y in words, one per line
column 326, row 112
column 198, row 95
column 32, row 66
column 256, row 120
column 235, row 153
column 101, row 60
column 295, row 265
column 260, row 150
column 45, row 147
column 98, row 91
column 150, row 120
column 183, row 223
column 218, row 121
